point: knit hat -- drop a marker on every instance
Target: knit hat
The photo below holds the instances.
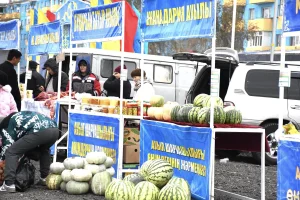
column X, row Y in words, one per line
column 118, row 69
column 3, row 78
column 33, row 64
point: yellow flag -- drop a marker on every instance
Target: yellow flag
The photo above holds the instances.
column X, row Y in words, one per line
column 42, row 18
column 111, row 45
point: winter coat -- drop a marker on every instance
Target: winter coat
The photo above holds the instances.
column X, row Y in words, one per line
column 9, row 69
column 112, row 86
column 85, row 84
column 7, row 101
column 21, row 124
column 34, row 83
column 64, row 78
column 146, row 91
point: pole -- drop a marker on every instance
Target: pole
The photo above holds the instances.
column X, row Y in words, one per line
column 19, row 36
column 233, row 23
column 281, row 89
column 274, row 30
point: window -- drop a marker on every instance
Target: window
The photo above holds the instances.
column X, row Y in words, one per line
column 108, row 66
column 295, row 41
column 251, row 13
column 266, row 12
column 256, row 39
column 293, row 92
column 278, row 40
column 163, row 74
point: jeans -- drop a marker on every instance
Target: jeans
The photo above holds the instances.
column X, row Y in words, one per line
column 40, row 141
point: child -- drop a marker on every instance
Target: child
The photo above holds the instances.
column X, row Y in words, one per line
column 7, row 101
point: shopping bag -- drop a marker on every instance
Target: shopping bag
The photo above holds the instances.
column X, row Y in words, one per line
column 25, row 174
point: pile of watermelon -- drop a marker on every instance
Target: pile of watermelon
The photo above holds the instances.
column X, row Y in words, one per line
column 199, row 112
column 79, row 175
column 154, row 182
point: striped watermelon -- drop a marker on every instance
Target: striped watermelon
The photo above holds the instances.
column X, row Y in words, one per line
column 158, row 172
column 199, row 99
column 218, row 102
column 134, row 178
column 171, row 191
column 193, row 115
column 219, row 115
column 145, row 191
column 182, row 183
column 119, row 190
column 174, row 112
column 183, row 113
column 201, row 116
column 233, row 117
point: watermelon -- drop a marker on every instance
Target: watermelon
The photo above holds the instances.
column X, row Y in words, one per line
column 174, row 112
column 219, row 115
column 193, row 115
column 157, row 101
column 121, row 190
column 218, row 101
column 145, row 191
column 53, row 181
column 134, row 178
column 233, row 117
column 182, row 183
column 199, row 99
column 172, row 191
column 183, row 113
column 201, row 115
column 158, row 172
column 100, row 182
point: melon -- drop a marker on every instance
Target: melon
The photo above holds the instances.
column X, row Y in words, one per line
column 53, row 181
column 158, row 172
column 66, row 175
column 183, row 113
column 172, row 191
column 145, row 191
column 134, row 178
column 74, row 187
column 100, row 182
column 151, row 112
column 219, row 115
column 57, row 168
column 199, row 99
column 201, row 116
column 167, row 111
column 81, row 175
column 174, row 112
column 207, row 102
column 121, row 190
column 159, row 113
column 182, row 183
column 233, row 117
column 96, row 158
column 157, row 101
column 193, row 115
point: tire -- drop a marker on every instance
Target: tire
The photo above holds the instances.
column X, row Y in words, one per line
column 227, row 153
column 270, row 158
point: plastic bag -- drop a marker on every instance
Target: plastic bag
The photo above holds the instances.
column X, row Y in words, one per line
column 290, row 129
column 25, row 175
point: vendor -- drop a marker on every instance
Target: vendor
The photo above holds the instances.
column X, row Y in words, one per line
column 52, row 80
column 22, row 132
column 144, row 92
column 84, row 81
column 36, row 80
column 112, row 84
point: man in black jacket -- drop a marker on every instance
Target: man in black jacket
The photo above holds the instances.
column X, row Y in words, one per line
column 52, row 80
column 13, row 59
column 112, row 85
column 36, row 81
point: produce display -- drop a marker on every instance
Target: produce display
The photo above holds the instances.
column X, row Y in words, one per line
column 196, row 113
column 80, row 175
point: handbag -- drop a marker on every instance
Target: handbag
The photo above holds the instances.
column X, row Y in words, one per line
column 25, row 174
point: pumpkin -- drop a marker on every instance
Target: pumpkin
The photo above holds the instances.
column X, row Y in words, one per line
column 159, row 113
column 167, row 108
column 100, row 181
column 151, row 111
column 74, row 187
column 95, row 158
column 111, row 171
column 66, row 175
column 53, row 181
column 95, row 168
column 108, row 162
column 63, row 186
column 57, row 168
column 74, row 163
column 81, row 175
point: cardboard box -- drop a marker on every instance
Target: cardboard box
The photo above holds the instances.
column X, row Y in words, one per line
column 131, row 136
column 131, row 154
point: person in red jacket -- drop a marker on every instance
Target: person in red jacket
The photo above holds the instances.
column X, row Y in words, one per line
column 84, row 81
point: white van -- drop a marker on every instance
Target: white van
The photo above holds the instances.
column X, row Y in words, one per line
column 171, row 78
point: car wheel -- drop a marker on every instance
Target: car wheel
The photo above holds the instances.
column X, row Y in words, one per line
column 271, row 157
column 227, row 153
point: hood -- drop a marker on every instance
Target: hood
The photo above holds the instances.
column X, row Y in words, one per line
column 51, row 63
column 88, row 70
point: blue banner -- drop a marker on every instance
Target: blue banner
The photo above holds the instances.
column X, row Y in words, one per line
column 186, row 148
column 45, row 38
column 89, row 133
column 97, row 22
column 288, row 170
column 291, row 16
column 169, row 20
column 9, row 35
column 64, row 13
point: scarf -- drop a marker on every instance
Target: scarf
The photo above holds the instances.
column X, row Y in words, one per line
column 139, row 83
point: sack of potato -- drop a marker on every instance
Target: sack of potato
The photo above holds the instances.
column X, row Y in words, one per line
column 2, row 167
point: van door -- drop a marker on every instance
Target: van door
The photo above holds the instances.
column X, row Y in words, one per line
column 184, row 77
column 163, row 78
column 293, row 95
